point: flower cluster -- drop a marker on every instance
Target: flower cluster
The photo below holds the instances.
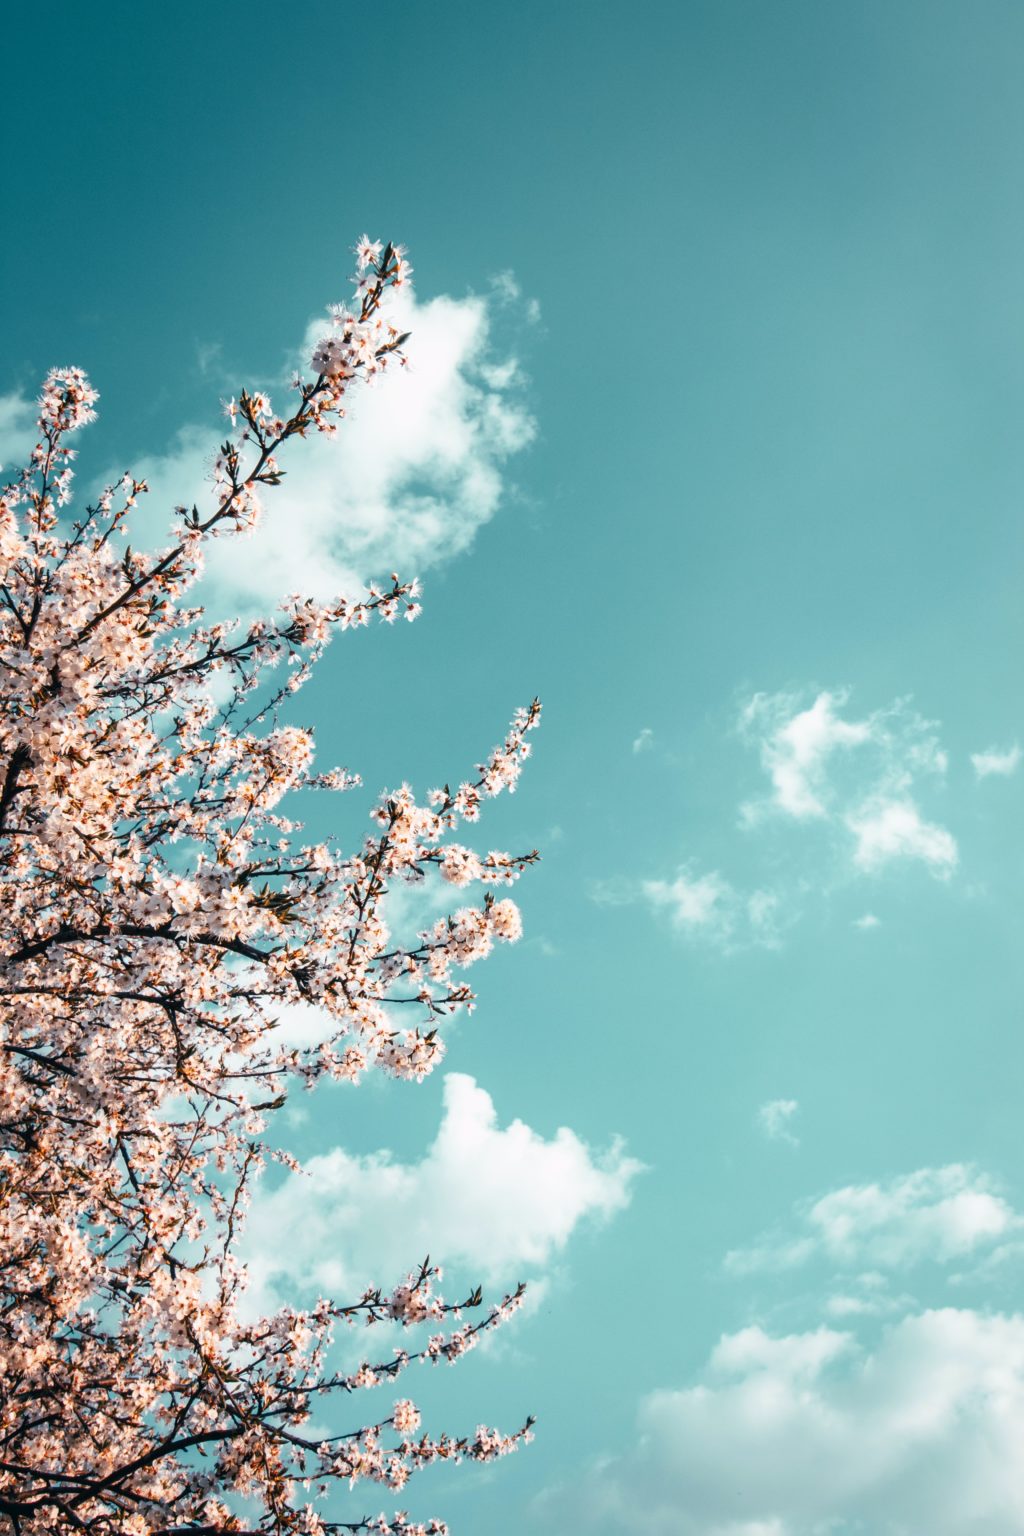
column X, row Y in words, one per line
column 361, row 344
column 160, row 913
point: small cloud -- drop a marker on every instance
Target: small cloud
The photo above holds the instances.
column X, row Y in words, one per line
column 994, row 761
column 506, row 286
column 851, row 1306
column 936, row 1215
column 857, row 789
column 615, row 891
column 795, row 746
column 894, row 829
column 817, row 776
column 764, row 913
column 692, row 901
column 867, row 1295
column 501, row 375
column 774, row 1119
column 702, row 907
column 210, row 358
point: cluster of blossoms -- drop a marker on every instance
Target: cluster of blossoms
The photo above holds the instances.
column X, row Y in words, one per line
column 363, row 342
column 160, row 911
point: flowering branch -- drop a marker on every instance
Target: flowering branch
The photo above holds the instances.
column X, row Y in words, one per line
column 159, row 914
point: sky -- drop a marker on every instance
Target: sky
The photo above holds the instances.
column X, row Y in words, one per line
column 711, row 437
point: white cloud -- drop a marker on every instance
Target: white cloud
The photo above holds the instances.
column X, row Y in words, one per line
column 845, row 1305
column 505, row 286
column 706, row 908
column 995, row 761
column 798, row 1357
column 694, row 901
column 855, row 784
column 483, row 1199
column 868, row 795
column 764, row 913
column 894, row 829
column 414, row 471
column 867, row 1295
column 934, row 1214
column 812, row 1433
column 796, row 745
column 775, row 1118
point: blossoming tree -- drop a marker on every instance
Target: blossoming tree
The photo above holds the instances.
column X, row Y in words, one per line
column 160, row 912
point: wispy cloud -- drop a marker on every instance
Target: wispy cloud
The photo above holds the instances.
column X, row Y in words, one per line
column 866, row 1295
column 707, row 908
column 795, row 746
column 860, row 776
column 775, row 1120
column 854, row 784
column 936, row 1215
column 703, row 902
column 996, row 762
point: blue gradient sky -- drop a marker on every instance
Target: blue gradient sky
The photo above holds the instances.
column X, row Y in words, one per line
column 769, row 322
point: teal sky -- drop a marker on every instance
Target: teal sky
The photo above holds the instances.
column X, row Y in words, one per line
column 761, row 270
